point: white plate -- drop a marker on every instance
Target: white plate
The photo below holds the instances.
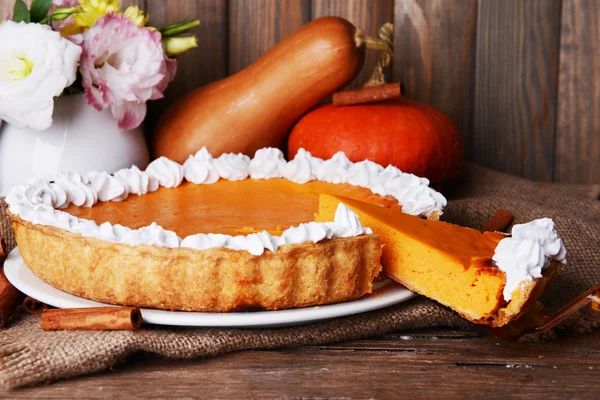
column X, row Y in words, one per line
column 385, row 293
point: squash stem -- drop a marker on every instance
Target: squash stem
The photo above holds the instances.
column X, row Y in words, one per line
column 370, row 42
column 386, row 35
column 376, row 43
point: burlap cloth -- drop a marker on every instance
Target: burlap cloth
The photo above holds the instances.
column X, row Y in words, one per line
column 29, row 356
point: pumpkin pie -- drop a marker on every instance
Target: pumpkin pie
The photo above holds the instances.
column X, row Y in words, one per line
column 234, row 233
column 214, row 234
column 489, row 278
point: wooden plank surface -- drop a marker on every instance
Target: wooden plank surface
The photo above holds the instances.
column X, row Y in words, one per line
column 368, row 15
column 521, row 79
column 6, row 7
column 516, row 86
column 126, row 3
column 578, row 127
column 434, row 57
column 199, row 66
column 255, row 26
column 411, row 365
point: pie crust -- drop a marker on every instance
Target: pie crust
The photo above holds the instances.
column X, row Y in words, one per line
column 213, row 280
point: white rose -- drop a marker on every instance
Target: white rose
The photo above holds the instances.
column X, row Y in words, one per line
column 36, row 64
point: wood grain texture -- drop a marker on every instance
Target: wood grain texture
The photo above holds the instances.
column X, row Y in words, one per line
column 516, row 86
column 519, row 78
column 368, row 15
column 255, row 26
column 206, row 63
column 578, row 126
column 126, row 3
column 410, row 365
column 434, row 58
column 6, row 7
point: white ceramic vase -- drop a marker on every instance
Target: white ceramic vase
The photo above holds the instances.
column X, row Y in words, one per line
column 81, row 139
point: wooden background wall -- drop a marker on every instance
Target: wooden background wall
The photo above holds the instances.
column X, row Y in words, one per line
column 521, row 78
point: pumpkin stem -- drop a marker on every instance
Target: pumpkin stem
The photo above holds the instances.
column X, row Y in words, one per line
column 386, row 35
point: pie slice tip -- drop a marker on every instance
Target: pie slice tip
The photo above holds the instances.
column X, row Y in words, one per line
column 481, row 276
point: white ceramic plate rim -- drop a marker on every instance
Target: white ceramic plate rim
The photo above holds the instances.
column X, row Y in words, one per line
column 385, row 294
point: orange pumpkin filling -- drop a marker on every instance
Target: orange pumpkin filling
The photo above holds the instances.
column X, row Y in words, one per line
column 227, row 207
column 446, row 262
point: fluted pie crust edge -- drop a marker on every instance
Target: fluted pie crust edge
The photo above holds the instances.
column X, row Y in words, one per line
column 213, row 280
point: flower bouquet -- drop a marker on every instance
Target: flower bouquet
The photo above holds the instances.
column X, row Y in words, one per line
column 59, row 47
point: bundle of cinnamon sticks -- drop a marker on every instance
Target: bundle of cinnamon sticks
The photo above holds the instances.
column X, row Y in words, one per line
column 97, row 318
column 499, row 221
column 100, row 318
column 369, row 94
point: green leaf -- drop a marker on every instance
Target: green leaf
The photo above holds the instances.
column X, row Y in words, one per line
column 178, row 28
column 20, row 12
column 39, row 10
column 76, row 87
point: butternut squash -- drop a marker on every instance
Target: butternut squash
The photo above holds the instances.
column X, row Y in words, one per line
column 257, row 106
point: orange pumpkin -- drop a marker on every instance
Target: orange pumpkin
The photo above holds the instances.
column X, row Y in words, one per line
column 410, row 135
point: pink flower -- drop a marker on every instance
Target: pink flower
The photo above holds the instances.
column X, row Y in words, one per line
column 123, row 66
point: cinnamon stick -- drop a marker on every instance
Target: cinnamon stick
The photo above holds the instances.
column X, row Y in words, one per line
column 33, row 306
column 499, row 221
column 2, row 252
column 99, row 319
column 10, row 299
column 369, row 94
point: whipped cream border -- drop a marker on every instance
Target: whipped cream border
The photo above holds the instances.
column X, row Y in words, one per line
column 527, row 252
column 39, row 201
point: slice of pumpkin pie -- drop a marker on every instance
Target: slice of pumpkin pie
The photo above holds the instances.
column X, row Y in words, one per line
column 488, row 278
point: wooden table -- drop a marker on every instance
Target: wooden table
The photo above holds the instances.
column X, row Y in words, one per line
column 441, row 364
